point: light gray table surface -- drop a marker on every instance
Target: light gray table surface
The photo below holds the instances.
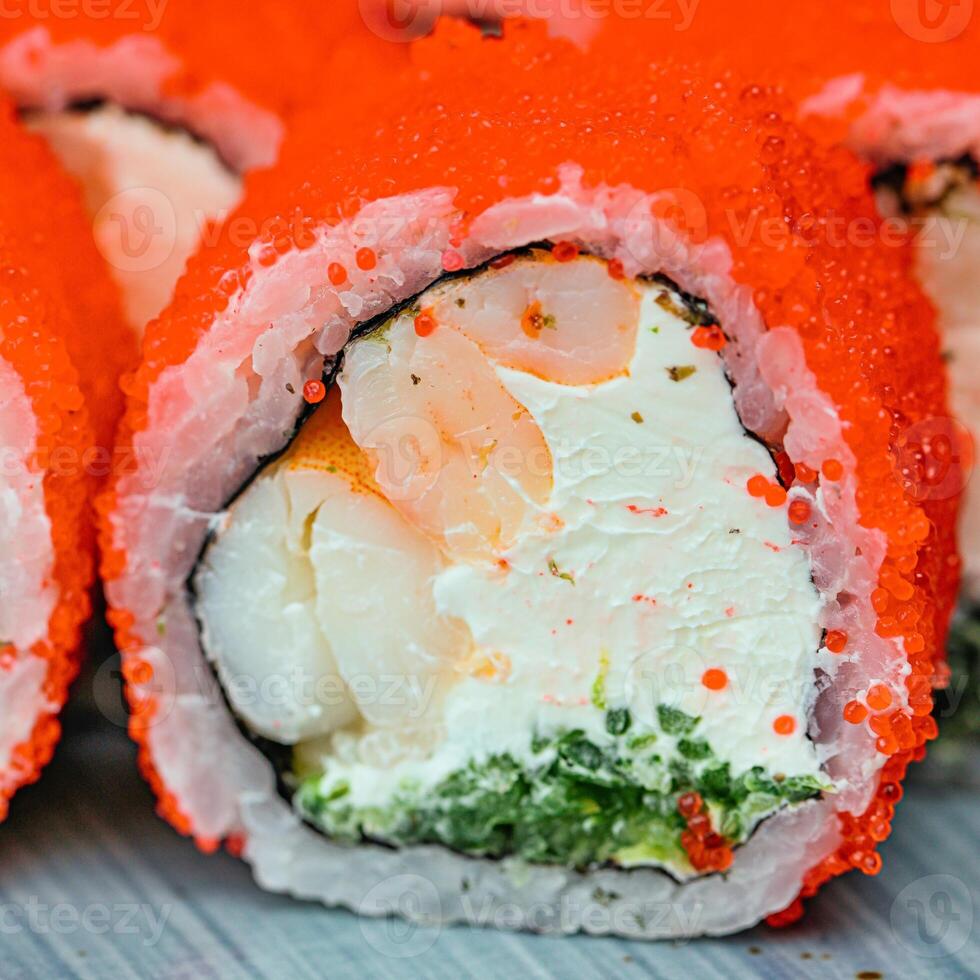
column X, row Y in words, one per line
column 93, row 884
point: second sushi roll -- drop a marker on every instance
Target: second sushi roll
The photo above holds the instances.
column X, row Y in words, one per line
column 531, row 499
column 62, row 343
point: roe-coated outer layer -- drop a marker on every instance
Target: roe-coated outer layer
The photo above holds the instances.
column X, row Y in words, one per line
column 62, row 334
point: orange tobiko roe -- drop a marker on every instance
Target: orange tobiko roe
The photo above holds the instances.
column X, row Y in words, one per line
column 495, row 118
column 42, row 208
column 62, row 332
column 801, row 47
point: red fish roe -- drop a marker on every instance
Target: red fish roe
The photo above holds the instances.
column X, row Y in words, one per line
column 709, row 338
column 138, row 672
column 425, row 323
column 314, row 391
column 920, row 695
column 784, row 725
column 699, row 824
column 706, row 849
column 714, row 679
column 688, row 804
column 890, row 792
column 615, row 269
column 847, row 303
column 452, row 261
column 804, row 474
column 855, row 712
column 565, row 251
column 836, row 641
column 899, row 587
column 758, row 486
column 880, row 601
column 832, row 469
column 879, row 697
column 792, row 913
column 366, row 259
column 775, row 496
column 800, row 511
column 880, row 725
column 337, row 274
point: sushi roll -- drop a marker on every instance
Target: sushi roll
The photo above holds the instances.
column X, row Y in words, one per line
column 530, row 549
column 160, row 110
column 58, row 312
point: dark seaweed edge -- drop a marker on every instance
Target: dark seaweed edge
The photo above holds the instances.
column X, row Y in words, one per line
column 894, row 178
column 280, row 756
column 84, row 106
column 698, row 311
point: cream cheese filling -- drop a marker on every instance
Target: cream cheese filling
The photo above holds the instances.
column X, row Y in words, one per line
column 644, row 574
